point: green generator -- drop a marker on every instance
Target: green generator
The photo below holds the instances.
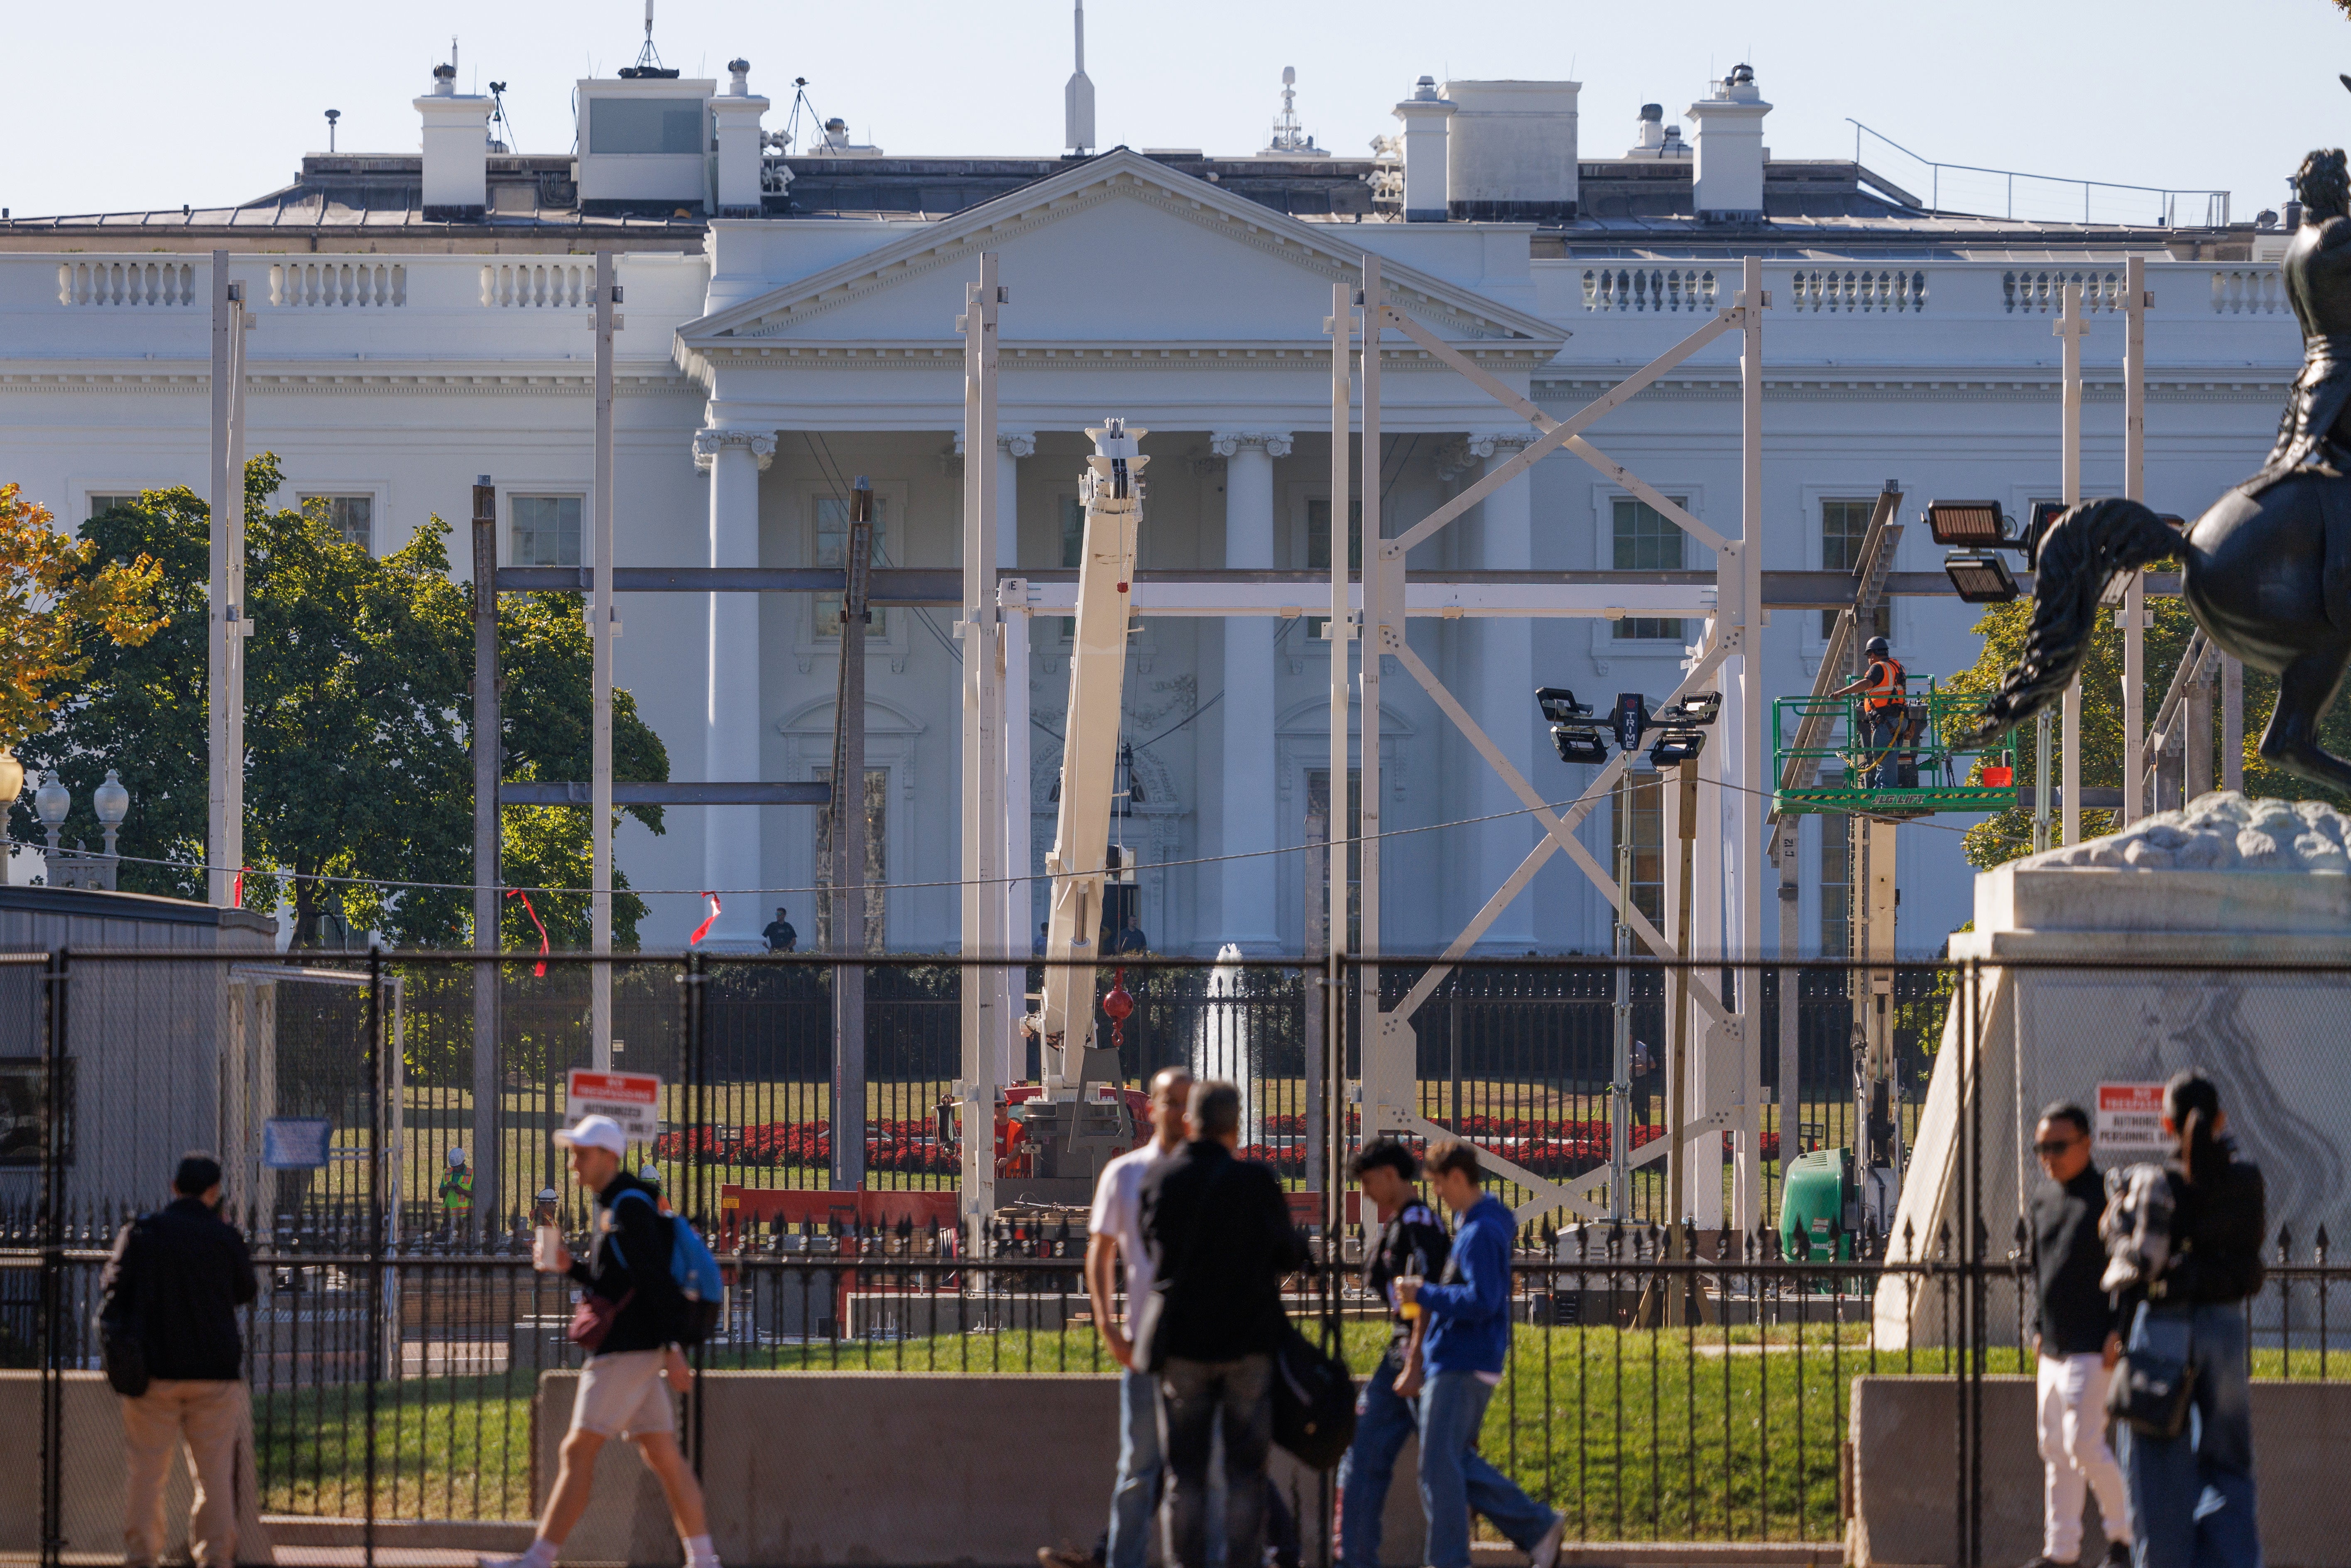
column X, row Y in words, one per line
column 1819, row 1208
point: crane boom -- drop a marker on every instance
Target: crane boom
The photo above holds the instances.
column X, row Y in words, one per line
column 1112, row 492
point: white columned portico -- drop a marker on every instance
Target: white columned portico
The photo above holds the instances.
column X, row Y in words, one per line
column 731, row 850
column 1500, row 693
column 1248, row 903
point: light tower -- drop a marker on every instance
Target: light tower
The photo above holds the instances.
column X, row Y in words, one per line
column 1078, row 98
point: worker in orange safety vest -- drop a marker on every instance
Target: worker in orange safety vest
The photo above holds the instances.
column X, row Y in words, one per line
column 1884, row 711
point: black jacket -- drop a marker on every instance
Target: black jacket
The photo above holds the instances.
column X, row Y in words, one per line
column 2216, row 1233
column 182, row 1273
column 1412, row 1242
column 2075, row 1317
column 1218, row 1231
column 630, row 1254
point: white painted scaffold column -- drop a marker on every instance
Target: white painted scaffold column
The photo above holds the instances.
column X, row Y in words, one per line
column 1012, row 918
column 731, row 854
column 1498, row 690
column 1247, row 898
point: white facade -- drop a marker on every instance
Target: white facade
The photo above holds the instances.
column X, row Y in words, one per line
column 759, row 377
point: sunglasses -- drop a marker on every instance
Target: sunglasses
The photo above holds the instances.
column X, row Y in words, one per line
column 2054, row 1147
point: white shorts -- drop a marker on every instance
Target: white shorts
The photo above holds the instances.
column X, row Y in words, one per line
column 622, row 1394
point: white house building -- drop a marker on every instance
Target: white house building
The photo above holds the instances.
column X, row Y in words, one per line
column 790, row 323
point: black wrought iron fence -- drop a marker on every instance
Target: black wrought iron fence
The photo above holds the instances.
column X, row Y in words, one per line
column 1654, row 1392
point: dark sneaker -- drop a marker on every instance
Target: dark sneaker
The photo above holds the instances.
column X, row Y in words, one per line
column 1546, row 1552
column 2119, row 1555
column 1065, row 1557
column 2051, row 1562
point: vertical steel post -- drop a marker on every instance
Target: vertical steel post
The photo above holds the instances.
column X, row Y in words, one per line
column 486, row 738
column 848, row 868
column 1750, row 805
column 1340, row 627
column 376, row 1198
column 1620, row 1114
column 1678, row 1105
column 225, row 617
column 2135, row 301
column 1791, row 985
column 982, row 834
column 1321, row 1174
column 2070, row 328
column 1376, row 1025
column 2233, row 723
column 603, row 625
column 53, row 1259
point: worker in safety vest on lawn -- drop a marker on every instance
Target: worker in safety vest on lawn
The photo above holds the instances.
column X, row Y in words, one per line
column 1885, row 712
column 457, row 1188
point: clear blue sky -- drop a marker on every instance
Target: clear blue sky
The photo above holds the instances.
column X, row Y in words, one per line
column 144, row 104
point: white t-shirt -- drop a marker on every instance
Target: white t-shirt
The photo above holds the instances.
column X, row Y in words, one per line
column 1118, row 1212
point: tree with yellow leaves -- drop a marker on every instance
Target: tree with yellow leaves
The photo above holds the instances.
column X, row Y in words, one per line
column 54, row 594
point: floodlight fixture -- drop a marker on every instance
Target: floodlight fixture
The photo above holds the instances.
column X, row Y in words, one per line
column 1559, row 704
column 1975, row 524
column 1579, row 742
column 1698, row 708
column 1980, row 576
column 1677, row 746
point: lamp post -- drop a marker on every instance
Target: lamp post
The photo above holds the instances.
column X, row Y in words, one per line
column 50, row 804
column 112, row 802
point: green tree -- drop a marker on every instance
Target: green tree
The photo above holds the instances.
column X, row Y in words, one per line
column 2010, row 834
column 359, row 708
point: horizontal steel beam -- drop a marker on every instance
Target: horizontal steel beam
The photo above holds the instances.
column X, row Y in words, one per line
column 892, row 585
column 576, row 794
column 1242, row 593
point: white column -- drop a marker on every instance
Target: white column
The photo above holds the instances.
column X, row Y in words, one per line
column 1010, row 448
column 731, row 856
column 1498, row 690
column 1249, row 901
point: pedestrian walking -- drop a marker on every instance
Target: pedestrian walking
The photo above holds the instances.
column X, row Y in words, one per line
column 631, row 1310
column 1114, row 1236
column 2075, row 1343
column 170, row 1290
column 2192, row 1495
column 1218, row 1231
column 1409, row 1243
column 1467, row 1346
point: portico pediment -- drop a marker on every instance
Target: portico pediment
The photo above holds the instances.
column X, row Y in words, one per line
column 1118, row 257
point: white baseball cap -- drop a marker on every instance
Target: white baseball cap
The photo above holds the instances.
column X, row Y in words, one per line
column 595, row 1133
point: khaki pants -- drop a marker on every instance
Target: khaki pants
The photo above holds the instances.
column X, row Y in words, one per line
column 209, row 1414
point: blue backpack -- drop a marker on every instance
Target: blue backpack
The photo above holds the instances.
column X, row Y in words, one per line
column 702, row 1292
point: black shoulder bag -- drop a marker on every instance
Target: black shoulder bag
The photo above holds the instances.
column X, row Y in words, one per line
column 1313, row 1401
column 122, row 1323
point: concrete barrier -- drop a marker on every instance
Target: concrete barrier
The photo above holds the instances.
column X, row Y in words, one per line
column 1902, row 1477
column 95, row 1472
column 819, row 1468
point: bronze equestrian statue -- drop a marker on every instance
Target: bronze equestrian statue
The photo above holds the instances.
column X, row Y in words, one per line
column 2267, row 569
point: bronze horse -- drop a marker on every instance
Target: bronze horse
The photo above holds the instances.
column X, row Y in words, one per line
column 2267, row 569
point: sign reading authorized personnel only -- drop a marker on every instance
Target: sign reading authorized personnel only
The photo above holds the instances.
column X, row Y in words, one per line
column 632, row 1099
column 2130, row 1124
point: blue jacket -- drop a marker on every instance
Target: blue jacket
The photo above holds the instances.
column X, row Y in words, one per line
column 1469, row 1315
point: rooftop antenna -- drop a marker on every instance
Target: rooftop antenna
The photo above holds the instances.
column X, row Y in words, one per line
column 1287, row 138
column 1077, row 99
column 647, row 56
column 332, row 116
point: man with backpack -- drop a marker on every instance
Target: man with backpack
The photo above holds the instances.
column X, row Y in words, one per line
column 632, row 1315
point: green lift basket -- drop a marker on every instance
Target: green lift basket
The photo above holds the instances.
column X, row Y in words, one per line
column 1819, row 1208
column 1931, row 772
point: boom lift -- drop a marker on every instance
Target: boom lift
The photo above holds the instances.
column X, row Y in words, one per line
column 1079, row 1119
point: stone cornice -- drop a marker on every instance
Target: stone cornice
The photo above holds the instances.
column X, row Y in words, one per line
column 313, row 383
column 1572, row 389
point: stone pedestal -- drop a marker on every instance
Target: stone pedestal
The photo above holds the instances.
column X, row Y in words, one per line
column 2108, row 963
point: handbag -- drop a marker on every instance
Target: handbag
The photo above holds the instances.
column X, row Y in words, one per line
column 593, row 1318
column 2151, row 1392
column 1313, row 1401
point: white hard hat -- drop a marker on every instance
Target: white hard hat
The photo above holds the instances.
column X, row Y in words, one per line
column 595, row 1133
column 456, row 1156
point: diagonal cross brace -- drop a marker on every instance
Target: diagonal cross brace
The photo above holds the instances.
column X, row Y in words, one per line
column 1556, row 433
column 1557, row 832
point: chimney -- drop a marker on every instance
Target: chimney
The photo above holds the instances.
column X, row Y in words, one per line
column 1509, row 152
column 1424, row 115
column 457, row 151
column 736, row 113
column 1728, row 182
